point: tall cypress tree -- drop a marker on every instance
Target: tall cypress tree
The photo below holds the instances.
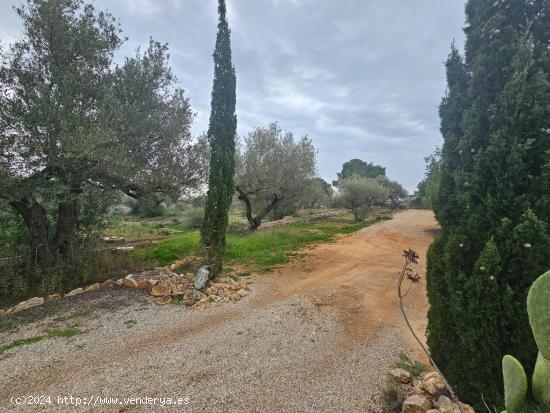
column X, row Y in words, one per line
column 441, row 333
column 451, row 112
column 494, row 209
column 221, row 135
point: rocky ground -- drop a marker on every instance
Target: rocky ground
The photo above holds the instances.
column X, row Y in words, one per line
column 318, row 335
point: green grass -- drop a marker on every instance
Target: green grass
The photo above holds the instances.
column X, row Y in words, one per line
column 261, row 249
column 130, row 323
column 21, row 342
column 68, row 332
column 414, row 367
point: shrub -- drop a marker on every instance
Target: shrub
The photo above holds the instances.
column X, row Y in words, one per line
column 194, row 217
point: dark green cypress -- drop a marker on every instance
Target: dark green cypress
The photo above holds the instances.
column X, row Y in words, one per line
column 451, row 111
column 221, row 136
column 494, row 207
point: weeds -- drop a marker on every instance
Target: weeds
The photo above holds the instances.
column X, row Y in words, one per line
column 21, row 342
column 416, row 368
column 68, row 332
column 392, row 397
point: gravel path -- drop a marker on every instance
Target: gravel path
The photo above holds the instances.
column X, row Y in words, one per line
column 316, row 336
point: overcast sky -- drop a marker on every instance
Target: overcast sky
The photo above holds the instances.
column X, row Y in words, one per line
column 362, row 78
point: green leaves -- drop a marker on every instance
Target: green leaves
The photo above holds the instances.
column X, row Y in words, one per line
column 77, row 130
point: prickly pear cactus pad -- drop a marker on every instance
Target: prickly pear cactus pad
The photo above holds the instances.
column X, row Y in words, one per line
column 515, row 384
column 538, row 308
column 541, row 380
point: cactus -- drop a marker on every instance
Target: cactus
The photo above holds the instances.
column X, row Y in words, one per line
column 515, row 384
column 515, row 380
column 541, row 380
column 538, row 308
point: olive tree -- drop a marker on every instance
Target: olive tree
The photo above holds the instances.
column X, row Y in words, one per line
column 396, row 192
column 317, row 193
column 360, row 194
column 75, row 128
column 273, row 169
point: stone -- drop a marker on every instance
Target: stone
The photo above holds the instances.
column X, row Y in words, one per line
column 113, row 239
column 161, row 289
column 129, row 283
column 143, row 284
column 416, row 404
column 30, row 303
column 242, row 285
column 2, row 313
column 433, row 411
column 164, row 301
column 467, row 408
column 54, row 297
column 212, row 290
column 446, row 405
column 242, row 293
column 153, row 282
column 433, row 383
column 74, row 292
column 93, row 287
column 173, row 267
column 201, row 278
column 399, row 375
column 108, row 283
column 177, row 288
column 430, row 375
column 188, row 298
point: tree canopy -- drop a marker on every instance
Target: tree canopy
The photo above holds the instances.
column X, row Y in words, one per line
column 360, row 194
column 75, row 127
column 359, row 168
column 273, row 169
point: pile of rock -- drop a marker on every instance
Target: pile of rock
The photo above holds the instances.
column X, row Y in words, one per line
column 163, row 284
column 167, row 286
column 429, row 394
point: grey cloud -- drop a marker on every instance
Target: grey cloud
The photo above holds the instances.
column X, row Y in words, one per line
column 362, row 78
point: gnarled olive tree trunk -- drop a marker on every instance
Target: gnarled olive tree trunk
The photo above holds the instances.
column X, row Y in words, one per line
column 254, row 222
column 49, row 244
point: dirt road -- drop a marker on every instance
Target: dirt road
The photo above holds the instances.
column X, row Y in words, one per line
column 318, row 335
